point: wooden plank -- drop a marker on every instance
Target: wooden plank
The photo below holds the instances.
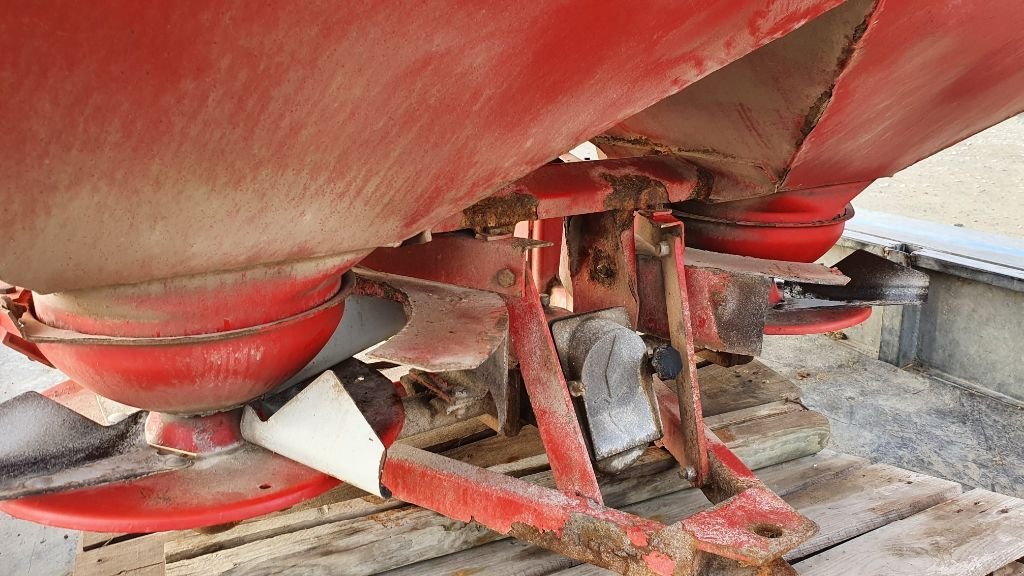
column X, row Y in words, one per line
column 1012, row 569
column 90, row 540
column 508, row 557
column 402, row 536
column 761, row 443
column 137, row 557
column 973, row 534
column 868, row 498
column 725, row 390
column 754, row 413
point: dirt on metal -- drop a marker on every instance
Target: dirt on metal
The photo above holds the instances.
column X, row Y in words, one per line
column 500, row 211
column 648, row 551
column 634, row 190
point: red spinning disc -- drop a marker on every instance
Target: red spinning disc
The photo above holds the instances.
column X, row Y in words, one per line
column 228, row 487
column 814, row 321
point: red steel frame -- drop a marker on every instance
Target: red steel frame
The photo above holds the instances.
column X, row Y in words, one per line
column 749, row 524
column 542, row 375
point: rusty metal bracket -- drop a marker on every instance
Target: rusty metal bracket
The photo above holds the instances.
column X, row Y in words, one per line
column 460, row 334
column 602, row 262
column 561, row 190
column 730, row 296
column 662, row 230
column 15, row 303
column 752, row 526
column 448, row 328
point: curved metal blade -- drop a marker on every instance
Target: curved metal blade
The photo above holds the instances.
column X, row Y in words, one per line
column 47, row 447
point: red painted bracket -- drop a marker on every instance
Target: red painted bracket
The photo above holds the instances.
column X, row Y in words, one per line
column 556, row 418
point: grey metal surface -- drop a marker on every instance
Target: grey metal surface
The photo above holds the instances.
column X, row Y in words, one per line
column 25, row 547
column 367, row 321
column 979, row 256
column 874, row 280
column 981, row 246
column 971, row 330
column 975, row 332
column 48, row 448
column 609, row 360
column 793, row 271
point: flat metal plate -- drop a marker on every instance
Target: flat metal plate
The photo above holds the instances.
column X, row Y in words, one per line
column 448, row 328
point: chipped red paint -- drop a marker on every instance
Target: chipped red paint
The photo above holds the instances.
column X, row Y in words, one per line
column 542, row 375
column 528, row 511
column 752, row 525
column 601, row 254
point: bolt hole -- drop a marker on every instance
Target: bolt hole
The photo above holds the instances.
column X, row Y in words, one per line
column 264, row 486
column 767, row 530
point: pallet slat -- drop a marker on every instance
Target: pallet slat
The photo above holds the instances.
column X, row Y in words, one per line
column 725, row 390
column 974, row 534
column 1012, row 569
column 865, row 499
column 143, row 556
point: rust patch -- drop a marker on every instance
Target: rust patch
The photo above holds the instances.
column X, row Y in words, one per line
column 379, row 289
column 595, row 244
column 817, row 109
column 602, row 269
column 705, row 183
column 589, row 540
column 725, row 435
column 633, row 141
column 633, row 191
column 498, row 211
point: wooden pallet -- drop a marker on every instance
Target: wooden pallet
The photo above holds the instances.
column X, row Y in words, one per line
column 873, row 518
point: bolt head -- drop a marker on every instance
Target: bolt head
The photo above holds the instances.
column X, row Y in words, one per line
column 576, row 388
column 505, row 278
column 689, row 473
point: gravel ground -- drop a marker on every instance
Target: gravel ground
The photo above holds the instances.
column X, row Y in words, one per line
column 978, row 184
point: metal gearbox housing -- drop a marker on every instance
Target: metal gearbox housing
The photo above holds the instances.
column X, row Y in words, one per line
column 608, row 364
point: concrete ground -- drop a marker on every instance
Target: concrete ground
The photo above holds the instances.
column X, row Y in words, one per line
column 905, row 418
